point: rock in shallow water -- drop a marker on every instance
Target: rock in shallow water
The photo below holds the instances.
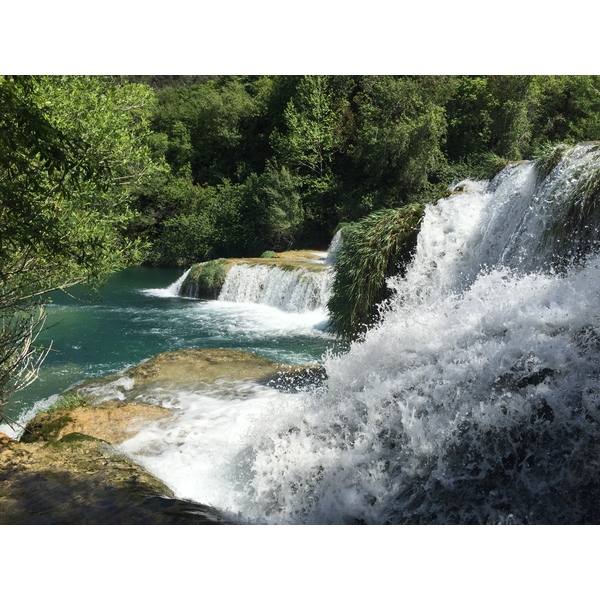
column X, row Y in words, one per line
column 65, row 471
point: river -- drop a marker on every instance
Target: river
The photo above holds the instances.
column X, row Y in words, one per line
column 136, row 315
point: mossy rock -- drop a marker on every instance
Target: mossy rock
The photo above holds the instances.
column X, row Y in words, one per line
column 205, row 280
column 194, row 369
column 377, row 247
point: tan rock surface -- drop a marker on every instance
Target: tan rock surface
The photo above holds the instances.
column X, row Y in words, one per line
column 83, row 480
column 114, row 422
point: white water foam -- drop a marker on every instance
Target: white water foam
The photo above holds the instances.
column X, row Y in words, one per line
column 334, row 247
column 170, row 291
column 293, row 290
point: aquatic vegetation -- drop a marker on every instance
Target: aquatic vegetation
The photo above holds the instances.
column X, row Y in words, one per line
column 205, row 280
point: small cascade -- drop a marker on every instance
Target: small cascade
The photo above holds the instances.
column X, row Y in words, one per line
column 170, row 291
column 334, row 247
column 175, row 288
column 293, row 290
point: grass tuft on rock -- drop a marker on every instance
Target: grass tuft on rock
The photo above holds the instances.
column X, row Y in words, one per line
column 572, row 233
column 374, row 248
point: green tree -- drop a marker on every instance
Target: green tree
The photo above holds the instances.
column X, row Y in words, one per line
column 278, row 192
column 400, row 125
column 567, row 109
column 311, row 123
column 313, row 134
column 490, row 115
column 204, row 124
column 72, row 150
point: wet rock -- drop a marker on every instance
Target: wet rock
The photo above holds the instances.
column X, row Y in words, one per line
column 113, row 422
column 202, row 367
column 190, row 370
column 83, row 480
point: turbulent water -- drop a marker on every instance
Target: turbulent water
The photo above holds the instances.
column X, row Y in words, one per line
column 334, row 247
column 476, row 400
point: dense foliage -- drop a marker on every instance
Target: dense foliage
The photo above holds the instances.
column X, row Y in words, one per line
column 72, row 150
column 271, row 162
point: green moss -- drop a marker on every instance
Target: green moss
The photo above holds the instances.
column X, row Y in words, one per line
column 378, row 246
column 573, row 230
column 205, row 280
column 548, row 157
column 269, row 254
column 492, row 164
column 47, row 423
column 68, row 400
column 76, row 436
column 45, row 427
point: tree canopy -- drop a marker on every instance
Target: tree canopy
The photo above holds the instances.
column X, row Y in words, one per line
column 72, row 150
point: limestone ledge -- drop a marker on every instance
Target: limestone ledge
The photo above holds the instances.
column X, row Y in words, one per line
column 206, row 279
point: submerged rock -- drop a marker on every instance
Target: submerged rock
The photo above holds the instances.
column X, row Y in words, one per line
column 190, row 370
column 201, row 367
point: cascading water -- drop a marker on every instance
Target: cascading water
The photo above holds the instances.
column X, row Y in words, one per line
column 170, row 291
column 334, row 247
column 475, row 400
column 294, row 290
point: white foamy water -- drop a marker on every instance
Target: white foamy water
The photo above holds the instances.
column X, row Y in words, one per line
column 204, row 452
column 293, row 290
column 476, row 400
column 170, row 291
column 334, row 247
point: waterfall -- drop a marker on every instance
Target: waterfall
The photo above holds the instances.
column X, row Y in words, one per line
column 334, row 246
column 477, row 399
column 294, row 290
column 170, row 291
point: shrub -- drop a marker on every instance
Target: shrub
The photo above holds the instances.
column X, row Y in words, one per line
column 68, row 400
